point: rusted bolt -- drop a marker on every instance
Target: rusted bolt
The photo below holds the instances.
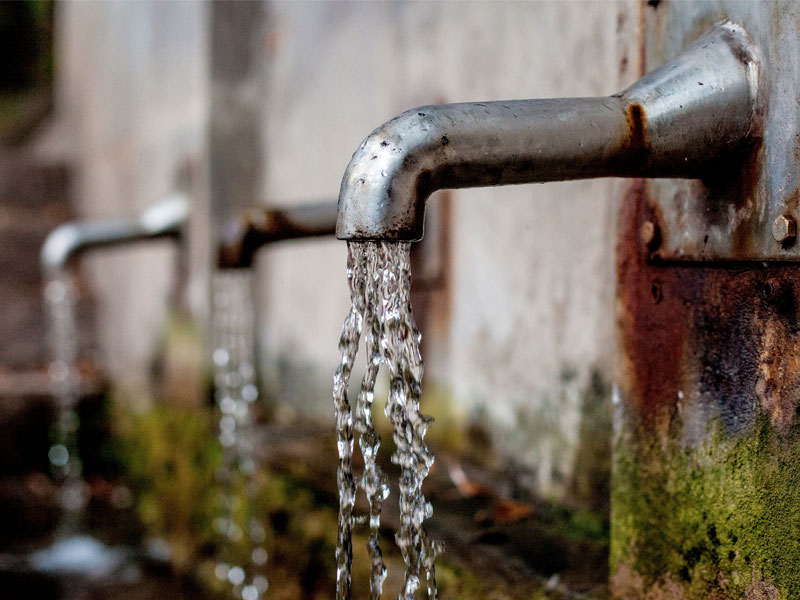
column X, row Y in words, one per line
column 784, row 229
column 649, row 235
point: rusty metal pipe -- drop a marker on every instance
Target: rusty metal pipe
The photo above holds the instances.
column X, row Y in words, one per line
column 681, row 120
column 165, row 219
column 254, row 228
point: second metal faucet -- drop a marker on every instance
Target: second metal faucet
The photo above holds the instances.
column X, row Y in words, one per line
column 257, row 227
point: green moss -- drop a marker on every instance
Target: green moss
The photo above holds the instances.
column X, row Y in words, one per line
column 171, row 456
column 456, row 583
column 449, row 431
column 715, row 517
column 587, row 526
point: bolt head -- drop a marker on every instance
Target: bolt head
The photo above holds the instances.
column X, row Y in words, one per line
column 649, row 235
column 784, row 229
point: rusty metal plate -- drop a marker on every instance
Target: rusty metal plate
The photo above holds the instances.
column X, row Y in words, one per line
column 730, row 215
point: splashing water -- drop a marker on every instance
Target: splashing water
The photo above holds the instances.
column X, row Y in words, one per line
column 61, row 299
column 379, row 278
column 242, row 554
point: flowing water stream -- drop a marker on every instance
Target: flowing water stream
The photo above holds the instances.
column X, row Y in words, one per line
column 242, row 554
column 65, row 464
column 379, row 278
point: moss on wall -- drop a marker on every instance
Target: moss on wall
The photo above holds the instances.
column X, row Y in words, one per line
column 720, row 519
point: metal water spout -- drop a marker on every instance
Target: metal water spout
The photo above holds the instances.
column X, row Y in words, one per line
column 164, row 219
column 686, row 119
column 254, row 228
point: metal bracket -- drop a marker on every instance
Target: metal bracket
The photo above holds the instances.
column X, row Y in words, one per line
column 748, row 211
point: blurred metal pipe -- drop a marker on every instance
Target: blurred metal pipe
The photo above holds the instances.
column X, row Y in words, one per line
column 164, row 219
column 254, row 228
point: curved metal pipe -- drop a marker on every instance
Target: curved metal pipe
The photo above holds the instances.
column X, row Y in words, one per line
column 680, row 121
column 164, row 219
column 255, row 228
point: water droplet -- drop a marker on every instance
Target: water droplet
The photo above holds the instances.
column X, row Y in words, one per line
column 236, row 575
column 220, row 525
column 227, row 405
column 221, row 571
column 250, row 592
column 58, row 455
column 221, row 357
column 56, row 291
column 234, row 374
column 261, row 583
column 250, row 392
column 257, row 532
column 259, row 556
column 73, row 497
column 58, row 370
column 227, row 424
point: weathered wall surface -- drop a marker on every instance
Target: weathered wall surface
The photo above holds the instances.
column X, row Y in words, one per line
column 528, row 316
column 131, row 96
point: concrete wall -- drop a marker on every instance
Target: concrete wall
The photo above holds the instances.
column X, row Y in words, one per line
column 131, row 102
column 530, row 311
column 525, row 317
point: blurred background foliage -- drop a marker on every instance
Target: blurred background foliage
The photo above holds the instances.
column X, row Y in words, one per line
column 26, row 75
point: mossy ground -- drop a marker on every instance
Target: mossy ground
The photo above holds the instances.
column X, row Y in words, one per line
column 171, row 455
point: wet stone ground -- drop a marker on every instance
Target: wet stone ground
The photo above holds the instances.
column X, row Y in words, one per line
column 28, row 510
column 499, row 541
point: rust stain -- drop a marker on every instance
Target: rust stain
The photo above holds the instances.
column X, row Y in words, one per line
column 792, row 203
column 652, row 339
column 242, row 237
column 634, row 142
column 721, row 337
column 778, row 376
column 637, row 121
